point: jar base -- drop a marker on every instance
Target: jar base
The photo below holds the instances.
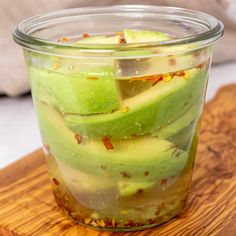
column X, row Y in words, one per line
column 128, row 229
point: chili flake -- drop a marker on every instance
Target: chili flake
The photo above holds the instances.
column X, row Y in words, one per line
column 150, row 77
column 125, row 174
column 103, row 167
column 85, row 35
column 55, row 66
column 130, row 223
column 107, row 143
column 64, row 39
column 140, row 191
column 180, row 73
column 146, row 173
column 200, row 66
column 78, row 138
column 55, row 181
column 118, row 33
column 122, row 41
column 164, row 182
column 160, row 208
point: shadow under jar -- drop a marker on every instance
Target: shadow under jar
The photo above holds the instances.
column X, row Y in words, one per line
column 119, row 122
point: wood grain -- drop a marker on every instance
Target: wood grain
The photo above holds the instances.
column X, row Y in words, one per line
column 27, row 207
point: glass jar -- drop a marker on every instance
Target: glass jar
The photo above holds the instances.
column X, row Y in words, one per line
column 119, row 122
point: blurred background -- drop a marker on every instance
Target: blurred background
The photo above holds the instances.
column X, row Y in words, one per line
column 19, row 133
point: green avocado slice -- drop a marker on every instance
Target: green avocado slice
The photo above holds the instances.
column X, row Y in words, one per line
column 147, row 112
column 82, row 93
column 129, row 160
column 186, row 119
column 142, row 36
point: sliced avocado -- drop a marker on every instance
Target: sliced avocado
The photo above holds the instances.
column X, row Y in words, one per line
column 129, row 188
column 146, row 112
column 83, row 86
column 100, row 39
column 191, row 115
column 142, row 36
column 130, row 159
column 82, row 93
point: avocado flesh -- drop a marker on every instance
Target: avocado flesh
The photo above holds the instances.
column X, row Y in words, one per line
column 82, row 93
column 130, row 159
column 87, row 88
column 184, row 120
column 148, row 111
column 143, row 36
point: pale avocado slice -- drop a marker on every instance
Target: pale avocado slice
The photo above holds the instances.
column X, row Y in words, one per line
column 100, row 39
column 82, row 93
column 187, row 118
column 130, row 159
column 147, row 111
column 142, row 36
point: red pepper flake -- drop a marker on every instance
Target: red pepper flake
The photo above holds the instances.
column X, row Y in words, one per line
column 200, row 66
column 180, row 73
column 92, row 78
column 146, row 173
column 63, row 40
column 103, row 167
column 107, row 143
column 164, row 182
column 149, row 78
column 78, row 138
column 125, row 174
column 55, row 66
column 122, row 41
column 130, row 223
column 160, row 208
column 140, row 191
column 119, row 33
column 85, row 35
column 172, row 61
column 55, row 181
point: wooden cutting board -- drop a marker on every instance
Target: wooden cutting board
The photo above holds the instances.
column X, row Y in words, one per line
column 27, row 206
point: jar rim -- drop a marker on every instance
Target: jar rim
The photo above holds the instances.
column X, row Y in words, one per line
column 22, row 36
